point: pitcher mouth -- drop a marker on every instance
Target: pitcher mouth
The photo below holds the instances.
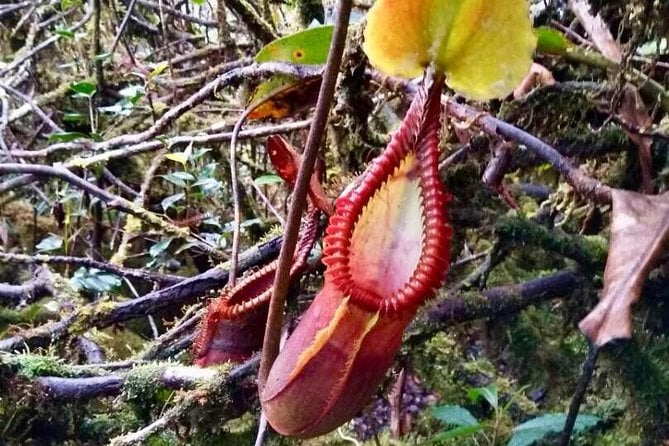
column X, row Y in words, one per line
column 409, row 165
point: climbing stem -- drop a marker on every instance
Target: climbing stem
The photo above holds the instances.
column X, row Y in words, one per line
column 275, row 317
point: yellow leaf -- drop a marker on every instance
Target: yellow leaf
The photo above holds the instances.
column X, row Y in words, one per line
column 178, row 157
column 181, row 157
column 484, row 46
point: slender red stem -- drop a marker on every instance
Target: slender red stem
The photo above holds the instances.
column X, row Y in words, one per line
column 275, row 317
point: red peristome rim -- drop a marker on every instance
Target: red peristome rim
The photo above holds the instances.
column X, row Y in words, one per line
column 235, row 302
column 418, row 134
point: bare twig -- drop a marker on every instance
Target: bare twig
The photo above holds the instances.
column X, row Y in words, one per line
column 16, row 93
column 168, row 118
column 116, row 181
column 582, row 386
column 121, row 28
column 66, row 175
column 90, row 263
column 255, row 22
column 236, row 205
column 202, row 138
column 176, row 13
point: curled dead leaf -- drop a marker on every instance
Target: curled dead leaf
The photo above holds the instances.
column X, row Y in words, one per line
column 639, row 237
column 538, row 75
column 633, row 112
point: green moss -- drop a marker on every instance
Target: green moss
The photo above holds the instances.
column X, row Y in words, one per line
column 30, row 366
column 591, row 253
column 545, row 353
column 87, row 313
column 31, row 314
column 567, row 117
column 648, row 383
column 438, row 365
column 142, row 382
column 106, row 424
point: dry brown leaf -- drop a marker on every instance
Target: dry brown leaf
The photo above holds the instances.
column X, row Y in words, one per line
column 633, row 111
column 538, row 75
column 639, row 237
column 284, row 100
column 597, row 30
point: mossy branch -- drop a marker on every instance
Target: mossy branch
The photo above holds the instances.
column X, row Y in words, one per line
column 521, row 231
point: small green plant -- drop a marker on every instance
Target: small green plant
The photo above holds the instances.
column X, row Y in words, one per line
column 462, row 424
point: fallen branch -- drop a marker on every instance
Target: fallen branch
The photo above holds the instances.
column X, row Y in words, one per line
column 498, row 301
column 28, row 292
column 78, row 389
column 493, row 302
column 175, row 296
column 110, row 199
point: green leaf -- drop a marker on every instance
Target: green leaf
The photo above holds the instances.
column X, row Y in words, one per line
column 116, row 109
column 84, row 89
column 200, row 152
column 160, row 247
column 460, row 431
column 268, row 179
column 67, row 136
column 94, row 280
column 132, row 93
column 208, row 185
column 489, row 393
column 179, row 178
column 527, row 433
column 197, row 2
column 64, row 33
column 103, row 56
column 228, row 227
column 653, row 48
column 185, row 247
column 183, row 176
column 51, row 243
column 551, row 41
column 454, row 415
column 74, row 117
column 308, row 47
column 213, row 221
column 66, row 4
column 169, row 201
